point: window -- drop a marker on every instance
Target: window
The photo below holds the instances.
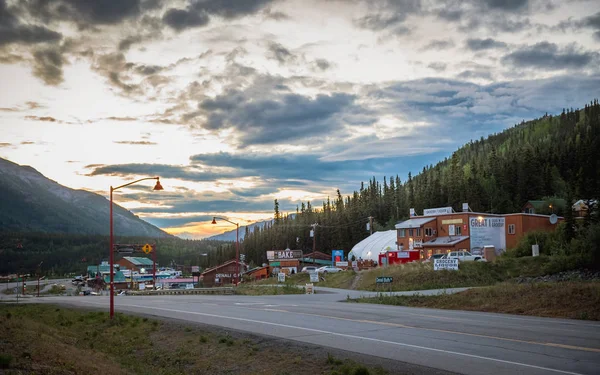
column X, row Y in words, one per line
column 411, row 232
column 428, row 232
column 401, row 232
column 458, row 230
column 511, row 229
column 418, row 232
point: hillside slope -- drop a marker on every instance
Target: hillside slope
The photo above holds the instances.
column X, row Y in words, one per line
column 33, row 203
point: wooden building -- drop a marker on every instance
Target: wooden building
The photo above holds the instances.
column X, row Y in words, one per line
column 223, row 274
column 136, row 264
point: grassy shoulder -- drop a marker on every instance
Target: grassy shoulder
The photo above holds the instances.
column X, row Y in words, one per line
column 262, row 290
column 574, row 300
column 421, row 276
column 47, row 339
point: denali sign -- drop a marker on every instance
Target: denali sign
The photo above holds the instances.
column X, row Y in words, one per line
column 284, row 254
column 437, row 211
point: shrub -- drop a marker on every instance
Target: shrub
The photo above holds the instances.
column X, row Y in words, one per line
column 5, row 360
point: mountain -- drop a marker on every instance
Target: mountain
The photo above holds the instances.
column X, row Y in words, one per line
column 33, row 203
column 554, row 156
column 230, row 235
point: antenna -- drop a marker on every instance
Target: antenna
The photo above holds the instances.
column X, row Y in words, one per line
column 553, row 219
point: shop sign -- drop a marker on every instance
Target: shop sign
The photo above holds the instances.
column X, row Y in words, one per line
column 284, row 254
column 445, row 264
column 437, row 211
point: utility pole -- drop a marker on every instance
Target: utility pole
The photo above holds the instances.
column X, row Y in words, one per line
column 314, row 227
column 370, row 225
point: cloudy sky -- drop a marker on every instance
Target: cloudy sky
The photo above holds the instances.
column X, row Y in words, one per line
column 236, row 103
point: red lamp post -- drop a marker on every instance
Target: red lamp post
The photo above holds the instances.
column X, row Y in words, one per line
column 237, row 246
column 158, row 186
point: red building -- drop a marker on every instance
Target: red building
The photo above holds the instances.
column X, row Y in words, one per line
column 442, row 230
column 223, row 274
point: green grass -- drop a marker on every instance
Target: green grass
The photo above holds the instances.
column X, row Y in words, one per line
column 421, row 276
column 575, row 300
column 53, row 340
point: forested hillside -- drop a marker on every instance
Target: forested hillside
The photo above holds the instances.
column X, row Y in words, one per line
column 553, row 156
column 67, row 253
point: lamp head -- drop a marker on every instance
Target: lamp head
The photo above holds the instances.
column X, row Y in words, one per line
column 158, row 186
column 214, row 220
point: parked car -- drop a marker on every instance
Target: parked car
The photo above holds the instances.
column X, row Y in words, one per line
column 434, row 257
column 309, row 269
column 328, row 269
column 462, row 256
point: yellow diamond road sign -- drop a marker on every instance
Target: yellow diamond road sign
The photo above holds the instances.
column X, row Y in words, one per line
column 147, row 248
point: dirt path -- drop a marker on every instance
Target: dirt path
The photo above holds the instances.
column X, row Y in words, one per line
column 355, row 281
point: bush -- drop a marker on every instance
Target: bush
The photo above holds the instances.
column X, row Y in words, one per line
column 5, row 360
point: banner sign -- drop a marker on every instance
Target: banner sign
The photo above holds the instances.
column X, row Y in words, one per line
column 403, row 254
column 445, row 264
column 337, row 256
column 384, row 279
column 281, row 277
column 314, row 277
column 341, row 264
column 437, row 211
column 195, row 269
column 451, row 230
column 284, row 254
column 487, row 231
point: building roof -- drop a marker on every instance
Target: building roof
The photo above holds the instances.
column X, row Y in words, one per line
column 242, row 264
column 139, row 261
column 415, row 223
column 378, row 242
column 318, row 255
column 255, row 269
column 445, row 241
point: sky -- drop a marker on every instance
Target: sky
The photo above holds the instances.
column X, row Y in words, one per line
column 237, row 103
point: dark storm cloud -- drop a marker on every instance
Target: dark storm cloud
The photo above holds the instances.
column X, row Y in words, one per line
column 167, row 222
column 162, row 170
column 507, row 5
column 278, row 119
column 439, row 44
column 83, row 12
column 13, row 31
column 47, row 65
column 212, row 205
column 322, row 64
column 180, row 19
column 468, row 74
column 280, row 53
column 148, row 69
column 483, row 44
column 591, row 22
column 198, row 12
column 549, row 56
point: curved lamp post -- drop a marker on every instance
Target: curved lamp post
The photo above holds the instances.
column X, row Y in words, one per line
column 237, row 245
column 158, row 186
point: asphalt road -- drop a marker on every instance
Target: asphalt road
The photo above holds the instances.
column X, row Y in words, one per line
column 457, row 341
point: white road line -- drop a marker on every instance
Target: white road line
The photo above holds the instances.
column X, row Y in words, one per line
column 350, row 336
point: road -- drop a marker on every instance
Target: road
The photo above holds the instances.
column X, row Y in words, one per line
column 457, row 341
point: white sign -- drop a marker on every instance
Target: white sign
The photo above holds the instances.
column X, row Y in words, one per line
column 314, row 277
column 284, row 254
column 354, row 264
column 412, row 212
column 195, row 269
column 451, row 230
column 281, row 277
column 418, row 243
column 142, row 286
column 488, row 231
column 437, row 211
column 189, row 286
column 310, row 289
column 341, row 264
column 403, row 254
column 445, row 264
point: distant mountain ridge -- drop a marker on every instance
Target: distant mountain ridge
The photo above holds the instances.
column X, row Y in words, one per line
column 230, row 235
column 33, row 203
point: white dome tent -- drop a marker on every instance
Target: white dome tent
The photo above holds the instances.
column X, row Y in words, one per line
column 372, row 246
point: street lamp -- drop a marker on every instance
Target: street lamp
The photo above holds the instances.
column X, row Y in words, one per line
column 237, row 245
column 158, row 186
